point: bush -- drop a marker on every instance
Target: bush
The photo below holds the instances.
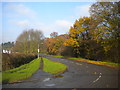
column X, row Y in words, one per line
column 14, row 60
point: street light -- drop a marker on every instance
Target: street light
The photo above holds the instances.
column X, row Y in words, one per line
column 38, row 50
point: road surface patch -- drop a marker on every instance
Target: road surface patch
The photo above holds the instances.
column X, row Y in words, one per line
column 57, row 75
column 86, row 66
column 95, row 73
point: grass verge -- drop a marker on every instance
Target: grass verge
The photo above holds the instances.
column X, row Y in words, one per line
column 109, row 64
column 0, row 77
column 23, row 72
column 53, row 67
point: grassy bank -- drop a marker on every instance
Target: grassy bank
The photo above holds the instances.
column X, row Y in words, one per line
column 53, row 67
column 23, row 72
column 109, row 64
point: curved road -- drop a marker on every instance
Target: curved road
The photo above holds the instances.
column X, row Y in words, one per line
column 78, row 75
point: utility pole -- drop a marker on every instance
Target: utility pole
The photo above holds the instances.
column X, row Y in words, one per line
column 38, row 50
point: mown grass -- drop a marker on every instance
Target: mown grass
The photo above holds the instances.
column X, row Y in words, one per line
column 0, row 77
column 110, row 64
column 23, row 72
column 53, row 67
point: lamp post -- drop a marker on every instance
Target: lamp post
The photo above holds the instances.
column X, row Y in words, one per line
column 38, row 50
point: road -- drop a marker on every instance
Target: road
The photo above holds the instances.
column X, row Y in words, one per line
column 78, row 75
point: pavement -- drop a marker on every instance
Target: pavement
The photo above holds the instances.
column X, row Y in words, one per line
column 78, row 75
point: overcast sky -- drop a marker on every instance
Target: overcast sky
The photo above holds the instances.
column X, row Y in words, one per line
column 45, row 16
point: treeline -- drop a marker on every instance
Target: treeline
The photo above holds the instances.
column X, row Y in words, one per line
column 96, row 37
column 27, row 42
column 7, row 45
column 24, row 50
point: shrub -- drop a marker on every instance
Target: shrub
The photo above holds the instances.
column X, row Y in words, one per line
column 14, row 60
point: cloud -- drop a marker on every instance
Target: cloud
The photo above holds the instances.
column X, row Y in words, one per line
column 20, row 10
column 23, row 23
column 82, row 10
column 20, row 23
column 63, row 23
column 60, row 26
column 23, row 17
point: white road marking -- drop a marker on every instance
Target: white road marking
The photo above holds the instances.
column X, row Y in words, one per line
column 78, row 64
column 50, row 85
column 97, row 78
column 46, row 79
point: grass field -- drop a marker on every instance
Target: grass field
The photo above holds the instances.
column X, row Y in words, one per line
column 23, row 72
column 110, row 64
column 53, row 67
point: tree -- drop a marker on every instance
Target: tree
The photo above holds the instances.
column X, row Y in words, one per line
column 54, row 45
column 106, row 19
column 78, row 34
column 54, row 34
column 28, row 41
column 7, row 45
column 106, row 32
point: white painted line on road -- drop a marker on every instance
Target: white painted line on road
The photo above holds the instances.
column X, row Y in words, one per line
column 50, row 85
column 78, row 64
column 97, row 78
column 46, row 79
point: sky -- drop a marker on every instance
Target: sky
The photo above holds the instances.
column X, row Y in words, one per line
column 47, row 17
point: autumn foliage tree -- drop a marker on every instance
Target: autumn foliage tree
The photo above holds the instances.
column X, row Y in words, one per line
column 98, row 36
column 78, row 34
column 106, row 17
column 54, row 44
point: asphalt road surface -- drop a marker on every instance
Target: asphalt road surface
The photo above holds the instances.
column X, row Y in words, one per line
column 78, row 75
